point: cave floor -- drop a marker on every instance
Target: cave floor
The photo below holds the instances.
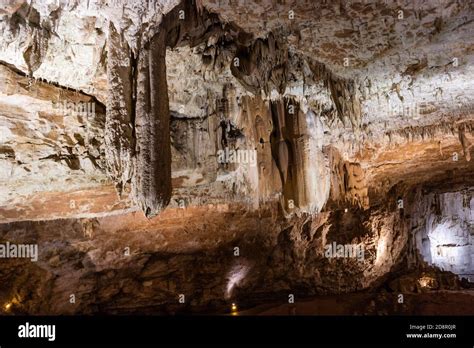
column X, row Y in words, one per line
column 382, row 303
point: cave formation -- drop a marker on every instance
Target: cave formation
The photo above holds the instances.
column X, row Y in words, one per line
column 358, row 115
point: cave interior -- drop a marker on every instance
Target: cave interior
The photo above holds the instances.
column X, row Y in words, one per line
column 244, row 157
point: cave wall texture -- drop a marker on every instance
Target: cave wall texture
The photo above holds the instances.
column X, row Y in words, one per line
column 213, row 149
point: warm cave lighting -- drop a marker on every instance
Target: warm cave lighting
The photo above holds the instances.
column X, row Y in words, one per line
column 233, row 309
column 345, row 210
column 426, row 282
column 7, row 306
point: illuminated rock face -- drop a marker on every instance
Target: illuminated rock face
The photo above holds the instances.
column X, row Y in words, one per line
column 110, row 115
column 328, row 125
column 446, row 237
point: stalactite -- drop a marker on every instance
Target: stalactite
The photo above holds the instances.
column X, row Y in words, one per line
column 118, row 126
column 138, row 130
column 152, row 180
column 262, row 66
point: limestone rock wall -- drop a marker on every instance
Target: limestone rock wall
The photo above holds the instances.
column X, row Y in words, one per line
column 129, row 264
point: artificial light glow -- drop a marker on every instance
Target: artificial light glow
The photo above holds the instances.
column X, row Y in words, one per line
column 345, row 210
column 236, row 275
column 8, row 306
column 233, row 309
column 426, row 282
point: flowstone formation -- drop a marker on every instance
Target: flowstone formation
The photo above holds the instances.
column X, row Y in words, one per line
column 234, row 151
